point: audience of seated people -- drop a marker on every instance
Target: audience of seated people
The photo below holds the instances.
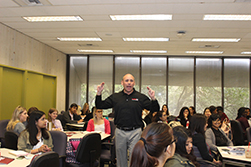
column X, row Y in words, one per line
column 155, row 146
column 98, row 122
column 19, row 116
column 71, row 116
column 192, row 110
column 215, row 135
column 55, row 123
column 160, row 116
column 198, row 127
column 242, row 118
column 184, row 117
column 184, row 149
column 35, row 138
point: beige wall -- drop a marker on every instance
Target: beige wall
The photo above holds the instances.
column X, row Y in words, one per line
column 21, row 51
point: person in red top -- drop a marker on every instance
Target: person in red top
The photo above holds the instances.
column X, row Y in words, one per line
column 222, row 115
column 98, row 123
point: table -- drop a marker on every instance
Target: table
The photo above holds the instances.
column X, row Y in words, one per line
column 78, row 125
column 81, row 134
column 17, row 162
column 230, row 157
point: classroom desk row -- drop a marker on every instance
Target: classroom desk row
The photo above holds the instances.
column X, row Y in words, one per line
column 26, row 161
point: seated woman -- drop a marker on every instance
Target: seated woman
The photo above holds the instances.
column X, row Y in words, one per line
column 242, row 118
column 98, row 123
column 198, row 127
column 215, row 135
column 184, row 149
column 165, row 109
column 19, row 116
column 207, row 112
column 155, row 146
column 160, row 117
column 192, row 110
column 184, row 117
column 56, row 124
column 35, row 138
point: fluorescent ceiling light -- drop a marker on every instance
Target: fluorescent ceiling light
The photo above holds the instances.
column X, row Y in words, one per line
column 227, row 17
column 53, row 18
column 246, row 53
column 142, row 17
column 95, row 50
column 79, row 39
column 205, row 52
column 216, row 39
column 148, row 51
column 146, row 39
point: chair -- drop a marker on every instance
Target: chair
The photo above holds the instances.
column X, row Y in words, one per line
column 59, row 140
column 202, row 162
column 60, row 118
column 248, row 131
column 108, row 156
column 3, row 125
column 238, row 135
column 49, row 159
column 88, row 151
column 11, row 139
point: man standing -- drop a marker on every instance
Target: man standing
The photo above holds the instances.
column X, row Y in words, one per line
column 71, row 116
column 128, row 105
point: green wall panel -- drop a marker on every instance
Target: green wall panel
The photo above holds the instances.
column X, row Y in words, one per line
column 49, row 93
column 11, row 91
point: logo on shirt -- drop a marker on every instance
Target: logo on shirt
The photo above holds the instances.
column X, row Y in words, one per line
column 134, row 99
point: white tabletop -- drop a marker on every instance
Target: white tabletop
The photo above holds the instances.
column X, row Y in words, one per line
column 81, row 134
column 228, row 154
column 78, row 125
column 17, row 162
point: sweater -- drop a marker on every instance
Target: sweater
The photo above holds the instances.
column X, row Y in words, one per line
column 91, row 126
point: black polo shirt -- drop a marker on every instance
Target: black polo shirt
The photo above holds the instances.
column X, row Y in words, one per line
column 127, row 108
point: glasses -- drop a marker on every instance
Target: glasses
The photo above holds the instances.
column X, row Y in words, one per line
column 174, row 141
column 99, row 111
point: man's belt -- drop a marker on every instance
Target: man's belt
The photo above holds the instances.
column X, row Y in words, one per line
column 127, row 128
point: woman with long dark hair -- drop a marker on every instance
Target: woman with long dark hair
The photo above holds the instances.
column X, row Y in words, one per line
column 184, row 117
column 198, row 127
column 161, row 116
column 155, row 146
column 35, row 138
column 184, row 149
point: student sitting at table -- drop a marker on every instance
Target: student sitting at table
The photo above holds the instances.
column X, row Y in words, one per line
column 155, row 146
column 184, row 149
column 71, row 116
column 198, row 126
column 19, row 116
column 215, row 135
column 184, row 117
column 35, row 138
column 98, row 122
column 55, row 123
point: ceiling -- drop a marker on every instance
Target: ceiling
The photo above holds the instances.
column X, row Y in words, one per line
column 187, row 16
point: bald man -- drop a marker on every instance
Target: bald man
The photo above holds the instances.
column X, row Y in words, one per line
column 128, row 105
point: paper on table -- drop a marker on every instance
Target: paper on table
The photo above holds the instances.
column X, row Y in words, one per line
column 18, row 153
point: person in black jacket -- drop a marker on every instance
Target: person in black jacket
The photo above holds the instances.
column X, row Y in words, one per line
column 71, row 116
column 128, row 105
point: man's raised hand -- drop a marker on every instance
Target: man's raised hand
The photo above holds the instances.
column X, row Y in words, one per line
column 151, row 93
column 100, row 88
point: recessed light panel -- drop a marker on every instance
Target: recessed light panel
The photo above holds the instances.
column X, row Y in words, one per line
column 107, row 51
column 53, row 18
column 142, row 17
column 216, row 39
column 79, row 39
column 246, row 53
column 147, row 39
column 148, row 51
column 205, row 52
column 227, row 17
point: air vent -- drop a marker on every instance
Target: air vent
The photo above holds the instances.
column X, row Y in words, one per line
column 87, row 45
column 32, row 2
column 209, row 46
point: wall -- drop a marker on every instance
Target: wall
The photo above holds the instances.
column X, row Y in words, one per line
column 21, row 51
